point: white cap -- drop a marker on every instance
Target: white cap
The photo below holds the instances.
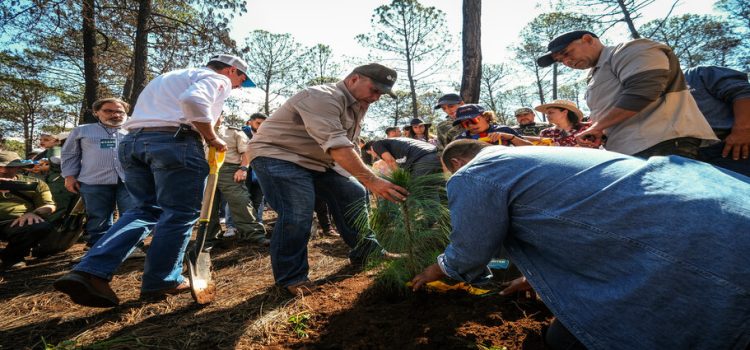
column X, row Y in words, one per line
column 236, row 62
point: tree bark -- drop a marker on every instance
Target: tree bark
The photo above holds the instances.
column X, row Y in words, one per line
column 90, row 69
column 140, row 62
column 554, row 81
column 472, row 50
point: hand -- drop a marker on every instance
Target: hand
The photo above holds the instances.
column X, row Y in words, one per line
column 26, row 219
column 71, row 184
column 240, row 176
column 517, row 285
column 498, row 137
column 591, row 137
column 386, row 189
column 431, row 273
column 737, row 143
column 219, row 144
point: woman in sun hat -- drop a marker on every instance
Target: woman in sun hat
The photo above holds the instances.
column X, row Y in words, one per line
column 567, row 121
column 421, row 131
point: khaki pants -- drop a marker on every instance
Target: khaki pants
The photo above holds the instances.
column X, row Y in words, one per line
column 238, row 199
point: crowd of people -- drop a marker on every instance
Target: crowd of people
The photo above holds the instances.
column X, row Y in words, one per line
column 623, row 221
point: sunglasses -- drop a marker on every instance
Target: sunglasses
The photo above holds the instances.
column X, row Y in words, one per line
column 465, row 123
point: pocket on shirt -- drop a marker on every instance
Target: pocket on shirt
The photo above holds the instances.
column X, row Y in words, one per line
column 165, row 155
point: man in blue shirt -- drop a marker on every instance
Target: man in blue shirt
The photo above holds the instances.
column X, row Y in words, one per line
column 627, row 253
column 723, row 96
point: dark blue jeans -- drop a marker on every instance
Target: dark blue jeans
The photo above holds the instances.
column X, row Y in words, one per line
column 100, row 201
column 165, row 176
column 291, row 189
column 712, row 155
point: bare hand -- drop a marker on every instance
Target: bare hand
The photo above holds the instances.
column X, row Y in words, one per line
column 590, row 138
column 26, row 219
column 71, row 184
column 519, row 284
column 386, row 189
column 431, row 273
column 240, row 176
column 737, row 143
column 219, row 144
column 497, row 137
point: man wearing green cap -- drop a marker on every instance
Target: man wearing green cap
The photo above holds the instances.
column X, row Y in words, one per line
column 306, row 150
column 26, row 201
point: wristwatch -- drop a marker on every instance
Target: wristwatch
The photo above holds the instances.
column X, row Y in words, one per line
column 243, row 168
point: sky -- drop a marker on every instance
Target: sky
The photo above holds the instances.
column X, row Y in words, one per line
column 337, row 22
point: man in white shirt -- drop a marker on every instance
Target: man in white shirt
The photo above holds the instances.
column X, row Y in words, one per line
column 165, row 171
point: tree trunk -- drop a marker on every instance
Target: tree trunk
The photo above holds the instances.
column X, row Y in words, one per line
column 90, row 71
column 140, row 62
column 554, row 81
column 472, row 50
column 629, row 21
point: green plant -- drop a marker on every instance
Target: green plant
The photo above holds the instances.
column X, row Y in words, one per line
column 417, row 228
column 299, row 323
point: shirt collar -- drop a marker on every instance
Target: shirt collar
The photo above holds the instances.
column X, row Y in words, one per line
column 350, row 100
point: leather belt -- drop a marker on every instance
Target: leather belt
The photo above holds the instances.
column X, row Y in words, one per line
column 169, row 129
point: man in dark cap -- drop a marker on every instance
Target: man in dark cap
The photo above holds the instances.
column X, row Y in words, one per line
column 26, row 202
column 306, row 150
column 637, row 96
column 527, row 125
column 446, row 131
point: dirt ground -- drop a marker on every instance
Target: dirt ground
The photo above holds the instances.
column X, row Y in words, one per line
column 345, row 312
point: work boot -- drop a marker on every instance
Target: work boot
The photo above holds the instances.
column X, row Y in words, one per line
column 87, row 290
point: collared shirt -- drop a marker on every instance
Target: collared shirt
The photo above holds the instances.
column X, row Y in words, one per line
column 308, row 125
column 236, row 143
column 181, row 97
column 13, row 206
column 627, row 253
column 644, row 75
column 715, row 89
column 90, row 154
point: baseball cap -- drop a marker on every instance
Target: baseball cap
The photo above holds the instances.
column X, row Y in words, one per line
column 560, row 43
column 10, row 159
column 236, row 62
column 522, row 111
column 467, row 112
column 448, row 99
column 382, row 77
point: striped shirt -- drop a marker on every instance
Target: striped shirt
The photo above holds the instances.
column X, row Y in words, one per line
column 90, row 154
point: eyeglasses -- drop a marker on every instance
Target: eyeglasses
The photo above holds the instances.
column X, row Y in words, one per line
column 465, row 123
column 113, row 111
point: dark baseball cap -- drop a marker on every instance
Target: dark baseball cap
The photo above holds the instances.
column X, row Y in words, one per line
column 560, row 43
column 382, row 77
column 467, row 112
column 448, row 99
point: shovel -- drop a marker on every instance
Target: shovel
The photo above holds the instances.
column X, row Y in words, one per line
column 199, row 261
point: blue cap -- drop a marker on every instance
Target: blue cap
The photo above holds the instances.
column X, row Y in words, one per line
column 467, row 112
column 247, row 83
column 560, row 43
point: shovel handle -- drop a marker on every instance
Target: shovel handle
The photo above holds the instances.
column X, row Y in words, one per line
column 215, row 160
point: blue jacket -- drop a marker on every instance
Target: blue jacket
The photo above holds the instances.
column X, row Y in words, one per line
column 627, row 253
column 715, row 89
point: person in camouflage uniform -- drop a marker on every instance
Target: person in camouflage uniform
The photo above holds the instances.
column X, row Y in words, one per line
column 446, row 131
column 526, row 123
column 26, row 202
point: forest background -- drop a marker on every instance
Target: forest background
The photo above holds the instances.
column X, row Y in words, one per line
column 58, row 56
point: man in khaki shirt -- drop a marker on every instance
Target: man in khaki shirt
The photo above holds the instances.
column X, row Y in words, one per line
column 305, row 149
column 231, row 183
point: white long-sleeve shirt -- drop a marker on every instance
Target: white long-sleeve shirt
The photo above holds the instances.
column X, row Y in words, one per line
column 181, row 97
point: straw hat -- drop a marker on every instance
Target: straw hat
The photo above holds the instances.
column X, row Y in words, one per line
column 569, row 105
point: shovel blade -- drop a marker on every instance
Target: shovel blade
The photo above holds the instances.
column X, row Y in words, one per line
column 199, row 272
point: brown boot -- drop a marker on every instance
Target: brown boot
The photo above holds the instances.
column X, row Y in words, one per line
column 87, row 290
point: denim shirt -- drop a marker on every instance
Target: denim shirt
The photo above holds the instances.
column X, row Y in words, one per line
column 715, row 89
column 627, row 253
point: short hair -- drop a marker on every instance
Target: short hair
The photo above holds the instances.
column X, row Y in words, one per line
column 97, row 105
column 258, row 115
column 463, row 148
column 392, row 128
column 217, row 66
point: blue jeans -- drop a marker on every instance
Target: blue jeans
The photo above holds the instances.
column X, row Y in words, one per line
column 165, row 176
column 712, row 155
column 291, row 189
column 100, row 201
